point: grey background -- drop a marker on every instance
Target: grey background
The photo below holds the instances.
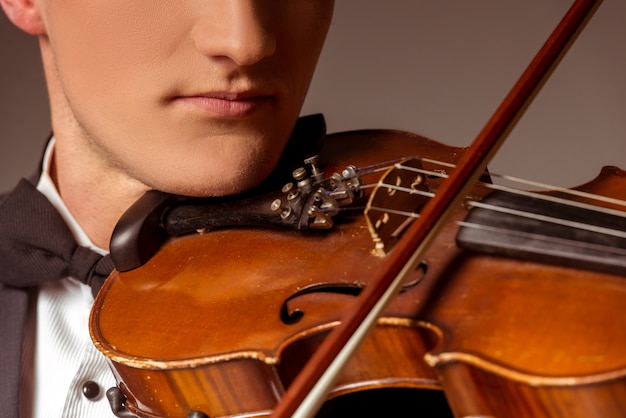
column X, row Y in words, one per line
column 435, row 67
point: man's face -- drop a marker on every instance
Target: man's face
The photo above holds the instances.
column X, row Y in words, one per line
column 193, row 97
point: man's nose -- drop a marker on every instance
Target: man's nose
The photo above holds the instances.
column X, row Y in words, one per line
column 236, row 29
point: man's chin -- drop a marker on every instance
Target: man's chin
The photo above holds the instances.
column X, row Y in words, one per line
column 215, row 187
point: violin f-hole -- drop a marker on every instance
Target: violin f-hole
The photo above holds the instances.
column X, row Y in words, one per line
column 290, row 317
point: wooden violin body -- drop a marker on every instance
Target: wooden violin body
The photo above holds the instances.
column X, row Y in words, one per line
column 199, row 328
column 206, row 308
column 527, row 339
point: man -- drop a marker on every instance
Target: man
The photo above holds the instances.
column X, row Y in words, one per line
column 193, row 98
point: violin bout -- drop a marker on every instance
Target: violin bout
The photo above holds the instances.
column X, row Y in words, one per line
column 198, row 327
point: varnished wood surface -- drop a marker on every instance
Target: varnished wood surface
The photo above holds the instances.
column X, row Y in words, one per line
column 501, row 337
column 527, row 339
column 209, row 300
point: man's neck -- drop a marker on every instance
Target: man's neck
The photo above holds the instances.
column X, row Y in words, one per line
column 95, row 193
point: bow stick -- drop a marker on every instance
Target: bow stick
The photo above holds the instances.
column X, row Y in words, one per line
column 308, row 391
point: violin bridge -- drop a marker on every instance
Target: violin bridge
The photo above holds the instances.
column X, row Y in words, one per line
column 395, row 202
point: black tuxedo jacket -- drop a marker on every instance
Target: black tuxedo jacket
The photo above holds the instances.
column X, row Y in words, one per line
column 14, row 304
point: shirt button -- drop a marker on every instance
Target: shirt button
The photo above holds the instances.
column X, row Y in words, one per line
column 91, row 390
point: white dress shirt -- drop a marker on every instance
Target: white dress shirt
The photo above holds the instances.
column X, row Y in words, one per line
column 60, row 362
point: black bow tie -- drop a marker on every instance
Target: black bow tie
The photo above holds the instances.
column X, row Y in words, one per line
column 36, row 244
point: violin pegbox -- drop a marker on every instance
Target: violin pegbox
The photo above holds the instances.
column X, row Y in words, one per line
column 395, row 202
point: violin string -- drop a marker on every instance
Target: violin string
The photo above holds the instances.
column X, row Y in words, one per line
column 569, row 202
column 552, row 219
column 573, row 192
column 408, row 190
column 545, row 186
column 530, row 215
column 396, row 212
column 574, row 224
column 398, row 164
column 545, row 238
column 382, row 166
column 548, row 238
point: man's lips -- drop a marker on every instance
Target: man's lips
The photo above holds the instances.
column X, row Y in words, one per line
column 226, row 104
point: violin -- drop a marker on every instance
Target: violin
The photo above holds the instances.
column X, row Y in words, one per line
column 202, row 325
column 222, row 323
column 260, row 299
